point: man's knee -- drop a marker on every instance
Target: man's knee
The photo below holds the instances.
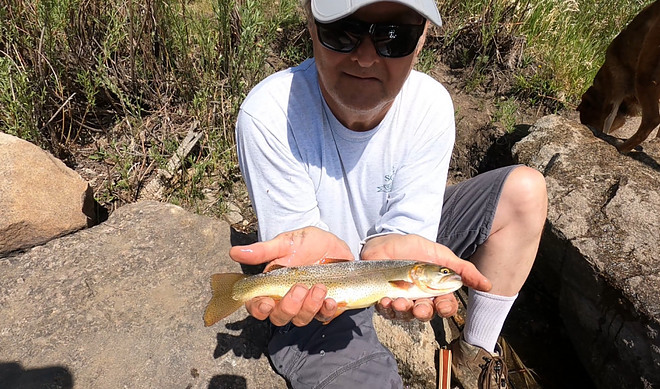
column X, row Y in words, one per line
column 526, row 194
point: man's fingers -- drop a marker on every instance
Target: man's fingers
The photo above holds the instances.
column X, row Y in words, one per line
column 423, row 309
column 420, row 309
column 328, row 311
column 289, row 306
column 402, row 309
column 311, row 306
column 261, row 252
column 253, row 254
column 299, row 306
column 471, row 276
column 469, row 273
column 384, row 308
column 260, row 307
column 446, row 305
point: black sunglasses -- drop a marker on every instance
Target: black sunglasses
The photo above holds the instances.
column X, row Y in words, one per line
column 390, row 40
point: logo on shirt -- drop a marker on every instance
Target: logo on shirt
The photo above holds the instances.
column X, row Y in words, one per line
column 387, row 185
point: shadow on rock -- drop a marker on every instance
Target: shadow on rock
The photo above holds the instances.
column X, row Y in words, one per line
column 13, row 376
column 250, row 343
column 646, row 159
column 499, row 153
column 637, row 154
column 227, row 381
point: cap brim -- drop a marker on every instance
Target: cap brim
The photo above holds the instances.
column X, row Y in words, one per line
column 327, row 11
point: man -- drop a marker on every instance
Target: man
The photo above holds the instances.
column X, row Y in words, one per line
column 346, row 156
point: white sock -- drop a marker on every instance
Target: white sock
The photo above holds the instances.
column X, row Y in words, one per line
column 485, row 318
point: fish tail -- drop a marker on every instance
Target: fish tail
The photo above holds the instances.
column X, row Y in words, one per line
column 222, row 304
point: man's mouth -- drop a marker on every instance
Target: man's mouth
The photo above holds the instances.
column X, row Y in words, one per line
column 361, row 77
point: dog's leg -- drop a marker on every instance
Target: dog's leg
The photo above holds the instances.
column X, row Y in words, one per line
column 647, row 88
column 653, row 109
column 613, row 112
column 649, row 122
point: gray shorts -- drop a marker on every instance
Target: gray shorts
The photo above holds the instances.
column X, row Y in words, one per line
column 469, row 209
column 346, row 353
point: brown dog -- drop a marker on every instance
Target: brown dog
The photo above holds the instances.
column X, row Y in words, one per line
column 628, row 80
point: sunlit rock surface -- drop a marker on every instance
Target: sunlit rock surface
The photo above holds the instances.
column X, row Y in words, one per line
column 600, row 253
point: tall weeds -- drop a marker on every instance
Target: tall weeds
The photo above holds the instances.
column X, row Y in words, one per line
column 92, row 73
column 566, row 39
column 119, row 82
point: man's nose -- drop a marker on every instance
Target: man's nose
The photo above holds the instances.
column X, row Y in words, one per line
column 365, row 53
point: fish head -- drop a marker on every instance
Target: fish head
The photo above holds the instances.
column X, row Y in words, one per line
column 435, row 279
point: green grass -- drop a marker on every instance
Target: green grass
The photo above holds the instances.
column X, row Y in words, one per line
column 123, row 79
column 572, row 37
column 427, row 59
column 505, row 113
column 567, row 38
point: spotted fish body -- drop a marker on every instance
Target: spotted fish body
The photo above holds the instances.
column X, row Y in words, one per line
column 352, row 284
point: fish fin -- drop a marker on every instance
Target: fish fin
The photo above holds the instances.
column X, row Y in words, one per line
column 400, row 284
column 222, row 304
column 272, row 266
column 325, row 261
column 341, row 307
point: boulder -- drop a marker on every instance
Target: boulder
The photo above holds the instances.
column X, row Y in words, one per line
column 599, row 253
column 40, row 198
column 414, row 346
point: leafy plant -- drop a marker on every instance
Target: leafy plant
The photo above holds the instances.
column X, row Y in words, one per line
column 506, row 113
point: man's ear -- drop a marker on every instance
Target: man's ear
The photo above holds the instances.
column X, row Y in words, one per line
column 310, row 26
column 422, row 39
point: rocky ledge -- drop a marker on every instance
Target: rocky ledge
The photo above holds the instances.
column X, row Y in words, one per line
column 599, row 253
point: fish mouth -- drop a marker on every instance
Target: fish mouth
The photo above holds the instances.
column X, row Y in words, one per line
column 451, row 283
column 456, row 277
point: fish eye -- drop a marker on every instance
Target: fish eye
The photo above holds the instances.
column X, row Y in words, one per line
column 444, row 270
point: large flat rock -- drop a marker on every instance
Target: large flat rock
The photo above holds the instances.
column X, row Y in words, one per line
column 120, row 305
column 600, row 251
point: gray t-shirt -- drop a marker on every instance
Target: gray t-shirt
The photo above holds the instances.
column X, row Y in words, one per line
column 303, row 168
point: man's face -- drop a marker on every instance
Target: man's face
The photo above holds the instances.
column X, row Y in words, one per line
column 362, row 81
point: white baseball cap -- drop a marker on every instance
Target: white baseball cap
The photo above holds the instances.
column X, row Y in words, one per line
column 326, row 11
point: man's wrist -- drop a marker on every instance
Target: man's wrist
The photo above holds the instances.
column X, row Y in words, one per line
column 373, row 237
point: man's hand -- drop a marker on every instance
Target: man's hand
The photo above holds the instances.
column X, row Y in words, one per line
column 305, row 246
column 415, row 247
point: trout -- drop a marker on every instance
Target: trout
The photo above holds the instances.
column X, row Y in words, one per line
column 352, row 284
